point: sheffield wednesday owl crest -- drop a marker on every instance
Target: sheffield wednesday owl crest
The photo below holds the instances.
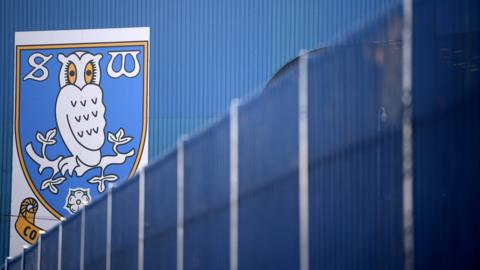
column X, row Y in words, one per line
column 80, row 120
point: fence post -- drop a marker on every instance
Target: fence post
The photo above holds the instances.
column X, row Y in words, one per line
column 141, row 218
column 407, row 150
column 59, row 246
column 180, row 201
column 82, row 239
column 22, row 262
column 6, row 263
column 234, row 185
column 39, row 251
column 108, row 253
column 303, row 159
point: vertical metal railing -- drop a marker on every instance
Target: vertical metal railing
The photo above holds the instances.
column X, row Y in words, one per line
column 407, row 130
column 108, row 253
column 180, row 202
column 303, row 160
column 39, row 251
column 22, row 262
column 141, row 218
column 6, row 263
column 234, row 185
column 82, row 238
column 59, row 246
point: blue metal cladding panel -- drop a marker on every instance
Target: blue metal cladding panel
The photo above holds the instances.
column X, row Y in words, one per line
column 207, row 198
column 31, row 258
column 268, row 176
column 446, row 102
column 96, row 234
column 125, row 225
column 71, row 243
column 203, row 53
column 49, row 252
column 355, row 153
column 160, row 244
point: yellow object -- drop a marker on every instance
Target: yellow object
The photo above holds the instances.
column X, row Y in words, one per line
column 25, row 224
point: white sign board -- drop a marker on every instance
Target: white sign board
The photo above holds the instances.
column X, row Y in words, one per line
column 80, row 121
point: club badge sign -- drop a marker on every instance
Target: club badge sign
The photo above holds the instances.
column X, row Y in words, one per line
column 80, row 121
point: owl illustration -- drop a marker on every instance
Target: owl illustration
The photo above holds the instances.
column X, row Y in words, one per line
column 80, row 111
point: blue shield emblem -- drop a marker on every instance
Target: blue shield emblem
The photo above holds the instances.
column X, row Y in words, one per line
column 80, row 118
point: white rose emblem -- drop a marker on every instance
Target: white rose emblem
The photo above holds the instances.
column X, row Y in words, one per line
column 76, row 199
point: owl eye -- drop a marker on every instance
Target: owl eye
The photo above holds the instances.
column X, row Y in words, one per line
column 88, row 73
column 71, row 73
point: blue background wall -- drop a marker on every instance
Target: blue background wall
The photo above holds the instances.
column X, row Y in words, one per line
column 203, row 53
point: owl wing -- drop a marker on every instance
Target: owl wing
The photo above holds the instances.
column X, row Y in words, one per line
column 86, row 117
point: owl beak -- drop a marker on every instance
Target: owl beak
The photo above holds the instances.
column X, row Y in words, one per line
column 81, row 85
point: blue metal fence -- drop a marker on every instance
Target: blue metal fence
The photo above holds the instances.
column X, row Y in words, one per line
column 30, row 258
column 355, row 157
column 446, row 103
column 15, row 264
column 49, row 250
column 268, row 176
column 95, row 231
column 70, row 245
column 206, row 209
column 160, row 234
column 124, row 226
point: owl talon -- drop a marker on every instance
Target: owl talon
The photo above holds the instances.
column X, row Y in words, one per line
column 68, row 165
column 81, row 168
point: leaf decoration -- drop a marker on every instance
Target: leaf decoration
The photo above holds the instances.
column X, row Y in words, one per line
column 125, row 140
column 111, row 137
column 58, row 181
column 40, row 137
column 48, row 139
column 119, row 137
column 52, row 141
column 51, row 134
column 100, row 181
column 120, row 134
column 45, row 184
column 110, row 178
column 53, row 188
column 51, row 184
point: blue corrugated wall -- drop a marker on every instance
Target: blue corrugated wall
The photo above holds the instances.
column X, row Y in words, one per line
column 203, row 53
